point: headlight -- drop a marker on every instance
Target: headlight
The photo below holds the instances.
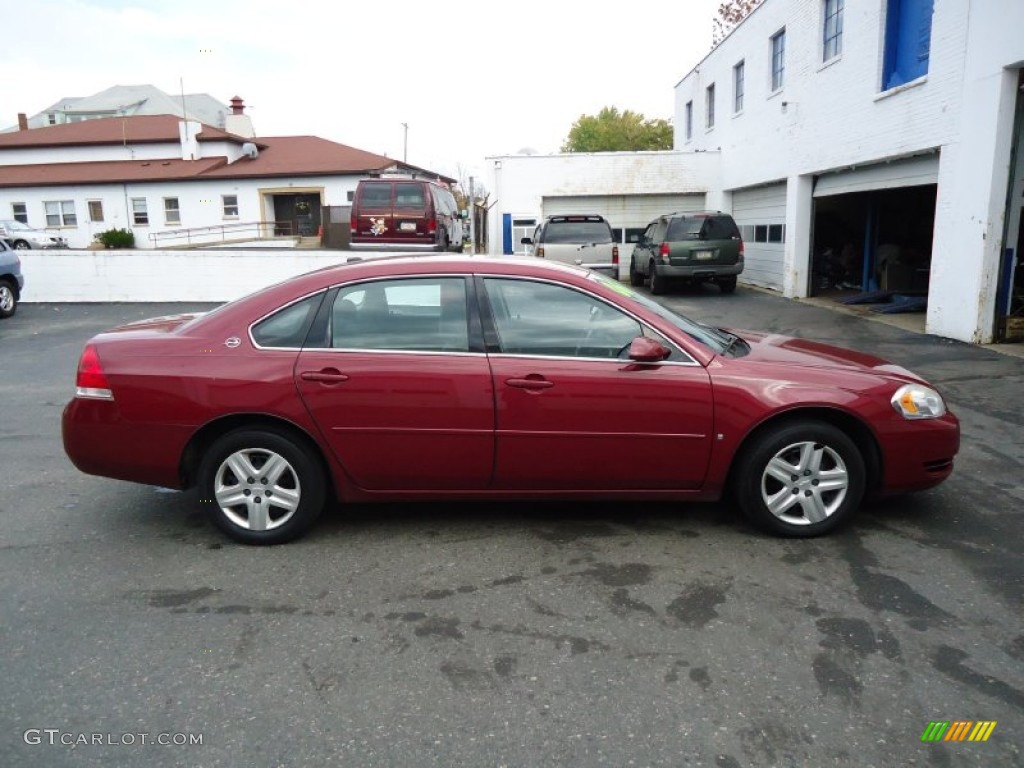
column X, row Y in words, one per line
column 916, row 401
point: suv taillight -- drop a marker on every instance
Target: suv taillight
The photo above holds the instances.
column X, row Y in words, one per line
column 741, row 246
column 353, row 223
column 615, row 255
column 91, row 380
column 663, row 252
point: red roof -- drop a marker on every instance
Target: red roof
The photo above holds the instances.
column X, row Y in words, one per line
column 276, row 156
column 57, row 174
column 140, row 129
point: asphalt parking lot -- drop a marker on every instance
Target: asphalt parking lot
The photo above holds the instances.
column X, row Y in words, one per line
column 510, row 635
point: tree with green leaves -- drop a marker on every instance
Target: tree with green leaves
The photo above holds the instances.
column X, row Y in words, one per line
column 614, row 131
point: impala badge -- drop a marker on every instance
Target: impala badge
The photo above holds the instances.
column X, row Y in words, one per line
column 232, row 342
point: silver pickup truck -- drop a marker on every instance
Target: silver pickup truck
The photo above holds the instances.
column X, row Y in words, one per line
column 582, row 239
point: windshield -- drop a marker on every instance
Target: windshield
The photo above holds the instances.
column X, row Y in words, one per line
column 17, row 226
column 710, row 337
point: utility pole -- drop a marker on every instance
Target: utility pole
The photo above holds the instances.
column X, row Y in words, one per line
column 472, row 220
column 405, row 143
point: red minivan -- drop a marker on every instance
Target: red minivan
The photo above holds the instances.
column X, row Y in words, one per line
column 405, row 214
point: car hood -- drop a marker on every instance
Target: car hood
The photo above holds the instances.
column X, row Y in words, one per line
column 791, row 351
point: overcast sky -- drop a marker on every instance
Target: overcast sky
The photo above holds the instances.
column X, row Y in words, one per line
column 469, row 79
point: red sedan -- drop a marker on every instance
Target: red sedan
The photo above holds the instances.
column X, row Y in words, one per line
column 476, row 378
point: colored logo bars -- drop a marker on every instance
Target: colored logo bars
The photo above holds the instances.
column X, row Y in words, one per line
column 958, row 730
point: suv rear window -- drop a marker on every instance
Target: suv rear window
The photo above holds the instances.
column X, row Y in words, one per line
column 708, row 227
column 582, row 231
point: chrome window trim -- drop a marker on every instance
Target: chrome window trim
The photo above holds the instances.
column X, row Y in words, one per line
column 254, row 323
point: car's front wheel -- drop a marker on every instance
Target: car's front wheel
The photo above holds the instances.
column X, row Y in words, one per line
column 8, row 298
column 800, row 480
column 22, row 245
column 261, row 486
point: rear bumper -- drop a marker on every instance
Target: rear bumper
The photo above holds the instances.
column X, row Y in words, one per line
column 99, row 441
column 702, row 271
column 404, row 245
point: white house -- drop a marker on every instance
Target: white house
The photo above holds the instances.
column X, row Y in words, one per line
column 877, row 144
column 177, row 182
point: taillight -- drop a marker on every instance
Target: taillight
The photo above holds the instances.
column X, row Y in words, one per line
column 741, row 246
column 663, row 252
column 431, row 225
column 92, row 381
column 539, row 252
column 353, row 223
column 615, row 255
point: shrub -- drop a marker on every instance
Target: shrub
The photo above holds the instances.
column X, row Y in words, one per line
column 117, row 238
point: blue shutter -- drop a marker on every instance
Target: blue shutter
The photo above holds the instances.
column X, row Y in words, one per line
column 506, row 233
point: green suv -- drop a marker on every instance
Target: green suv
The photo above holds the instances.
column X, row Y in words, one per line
column 694, row 247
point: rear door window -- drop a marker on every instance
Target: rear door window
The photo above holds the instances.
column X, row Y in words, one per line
column 409, row 196
column 375, row 195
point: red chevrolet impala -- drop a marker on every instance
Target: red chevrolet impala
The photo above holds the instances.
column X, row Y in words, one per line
column 474, row 378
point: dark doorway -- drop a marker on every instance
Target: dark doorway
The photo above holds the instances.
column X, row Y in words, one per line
column 297, row 214
column 870, row 241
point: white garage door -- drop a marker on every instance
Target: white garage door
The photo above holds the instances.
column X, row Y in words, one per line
column 760, row 213
column 629, row 214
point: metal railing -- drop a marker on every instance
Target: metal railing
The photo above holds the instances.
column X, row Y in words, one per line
column 222, row 233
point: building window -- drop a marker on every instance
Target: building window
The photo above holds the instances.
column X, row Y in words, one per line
column 20, row 212
column 172, row 213
column 833, row 34
column 230, row 206
column 60, row 213
column 709, row 106
column 778, row 59
column 140, row 214
column 737, row 87
column 689, row 120
column 351, row 195
column 95, row 210
column 908, row 40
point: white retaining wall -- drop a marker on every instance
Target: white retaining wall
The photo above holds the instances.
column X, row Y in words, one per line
column 146, row 275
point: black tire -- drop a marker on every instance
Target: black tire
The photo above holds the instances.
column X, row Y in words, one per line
column 635, row 278
column 300, row 481
column 442, row 242
column 658, row 283
column 795, row 447
column 22, row 245
column 727, row 284
column 8, row 298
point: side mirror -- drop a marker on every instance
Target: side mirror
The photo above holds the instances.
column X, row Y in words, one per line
column 527, row 241
column 644, row 349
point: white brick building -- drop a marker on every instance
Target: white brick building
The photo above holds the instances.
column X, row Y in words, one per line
column 889, row 129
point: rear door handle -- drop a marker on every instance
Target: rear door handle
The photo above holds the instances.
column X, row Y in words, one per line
column 326, row 376
column 530, row 383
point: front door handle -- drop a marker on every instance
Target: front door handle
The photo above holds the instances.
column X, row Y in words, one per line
column 530, row 383
column 325, row 376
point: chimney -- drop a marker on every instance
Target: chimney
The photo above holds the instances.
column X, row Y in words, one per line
column 238, row 122
column 22, row 121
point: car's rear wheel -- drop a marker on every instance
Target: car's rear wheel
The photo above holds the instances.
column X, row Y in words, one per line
column 262, row 487
column 22, row 245
column 8, row 298
column 658, row 283
column 727, row 284
column 800, row 480
column 635, row 278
